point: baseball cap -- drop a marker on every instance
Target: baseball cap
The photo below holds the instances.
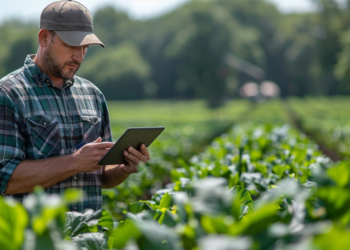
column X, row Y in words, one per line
column 71, row 21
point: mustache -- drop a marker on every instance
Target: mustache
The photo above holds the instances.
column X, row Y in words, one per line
column 72, row 62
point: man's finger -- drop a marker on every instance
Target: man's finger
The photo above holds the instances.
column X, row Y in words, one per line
column 131, row 157
column 137, row 154
column 102, row 145
column 144, row 150
column 97, row 140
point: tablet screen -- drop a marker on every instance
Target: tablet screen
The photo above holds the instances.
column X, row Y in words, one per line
column 132, row 137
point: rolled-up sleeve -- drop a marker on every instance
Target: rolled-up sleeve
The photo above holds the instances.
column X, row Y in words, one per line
column 11, row 140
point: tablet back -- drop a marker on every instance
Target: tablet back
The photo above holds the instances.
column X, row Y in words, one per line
column 132, row 137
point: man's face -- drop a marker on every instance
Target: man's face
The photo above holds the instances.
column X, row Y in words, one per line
column 62, row 60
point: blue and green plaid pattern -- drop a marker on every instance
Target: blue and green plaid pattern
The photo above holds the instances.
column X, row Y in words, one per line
column 38, row 121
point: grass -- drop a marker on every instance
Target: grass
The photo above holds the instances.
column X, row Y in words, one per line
column 125, row 114
column 153, row 112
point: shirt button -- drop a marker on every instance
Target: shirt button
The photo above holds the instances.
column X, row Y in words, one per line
column 76, row 208
column 44, row 123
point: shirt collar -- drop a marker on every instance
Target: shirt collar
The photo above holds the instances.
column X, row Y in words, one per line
column 39, row 77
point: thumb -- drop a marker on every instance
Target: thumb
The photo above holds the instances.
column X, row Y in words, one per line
column 97, row 140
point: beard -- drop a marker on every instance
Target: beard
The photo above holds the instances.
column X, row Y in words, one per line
column 57, row 70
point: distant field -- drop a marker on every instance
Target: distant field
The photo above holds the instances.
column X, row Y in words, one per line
column 149, row 112
column 327, row 120
column 124, row 114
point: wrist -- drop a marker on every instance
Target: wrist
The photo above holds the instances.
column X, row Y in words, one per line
column 122, row 169
column 74, row 160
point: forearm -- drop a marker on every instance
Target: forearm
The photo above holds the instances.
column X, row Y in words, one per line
column 112, row 176
column 45, row 173
column 48, row 172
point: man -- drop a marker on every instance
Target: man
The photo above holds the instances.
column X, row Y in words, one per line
column 54, row 126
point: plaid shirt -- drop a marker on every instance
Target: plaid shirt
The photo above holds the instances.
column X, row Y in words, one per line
column 39, row 121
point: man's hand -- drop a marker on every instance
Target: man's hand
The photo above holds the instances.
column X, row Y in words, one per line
column 134, row 157
column 90, row 154
column 48, row 172
column 114, row 175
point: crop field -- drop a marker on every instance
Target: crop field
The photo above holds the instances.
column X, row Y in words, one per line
column 327, row 119
column 246, row 176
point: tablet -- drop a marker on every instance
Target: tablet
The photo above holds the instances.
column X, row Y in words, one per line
column 132, row 137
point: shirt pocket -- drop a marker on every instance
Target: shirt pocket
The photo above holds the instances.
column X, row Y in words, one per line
column 91, row 127
column 45, row 134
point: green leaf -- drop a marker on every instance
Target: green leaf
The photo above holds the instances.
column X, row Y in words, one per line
column 155, row 237
column 13, row 221
column 224, row 242
column 91, row 241
column 216, row 224
column 125, row 232
column 255, row 221
column 280, row 170
column 106, row 221
column 184, row 164
column 211, row 197
column 233, row 180
column 241, row 200
column 337, row 200
column 335, row 239
column 138, row 207
column 340, row 174
column 166, row 201
column 78, row 223
column 286, row 204
column 261, row 168
column 72, row 195
column 167, row 219
column 243, row 196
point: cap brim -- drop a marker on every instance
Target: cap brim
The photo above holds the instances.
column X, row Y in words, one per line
column 79, row 38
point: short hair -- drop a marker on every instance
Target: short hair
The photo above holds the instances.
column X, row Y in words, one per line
column 53, row 34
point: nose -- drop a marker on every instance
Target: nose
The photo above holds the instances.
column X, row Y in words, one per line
column 79, row 53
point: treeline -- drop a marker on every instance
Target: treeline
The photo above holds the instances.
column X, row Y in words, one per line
column 184, row 54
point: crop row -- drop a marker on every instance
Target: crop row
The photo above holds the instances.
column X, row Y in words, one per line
column 327, row 120
column 189, row 126
column 255, row 187
column 175, row 145
column 258, row 187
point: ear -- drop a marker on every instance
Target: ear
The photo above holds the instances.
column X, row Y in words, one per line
column 43, row 38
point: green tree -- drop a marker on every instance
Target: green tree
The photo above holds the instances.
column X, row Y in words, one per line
column 120, row 72
column 333, row 21
column 200, row 48
column 17, row 40
column 18, row 51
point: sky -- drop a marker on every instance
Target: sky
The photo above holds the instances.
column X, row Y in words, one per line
column 138, row 9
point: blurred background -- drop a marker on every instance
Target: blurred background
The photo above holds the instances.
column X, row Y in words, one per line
column 210, row 50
